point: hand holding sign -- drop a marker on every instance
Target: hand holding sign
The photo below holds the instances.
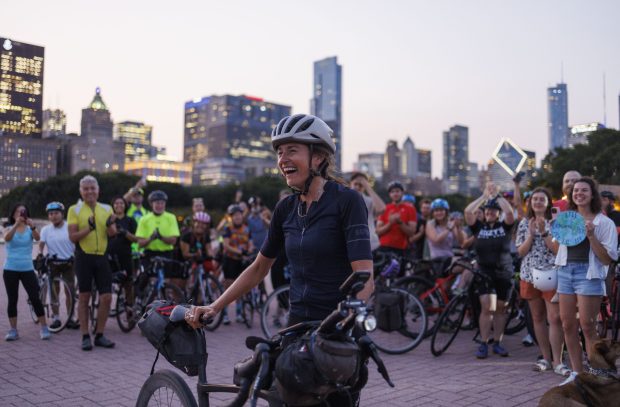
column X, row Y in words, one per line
column 569, row 228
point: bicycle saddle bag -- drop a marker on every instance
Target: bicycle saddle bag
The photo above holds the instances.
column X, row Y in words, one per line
column 181, row 345
column 389, row 310
column 314, row 366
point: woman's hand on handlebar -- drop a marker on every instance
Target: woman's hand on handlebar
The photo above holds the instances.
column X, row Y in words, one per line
column 195, row 315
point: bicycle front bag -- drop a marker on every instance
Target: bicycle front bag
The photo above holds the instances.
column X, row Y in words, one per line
column 181, row 345
column 389, row 310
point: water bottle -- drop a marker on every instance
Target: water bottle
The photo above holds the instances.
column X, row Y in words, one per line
column 391, row 268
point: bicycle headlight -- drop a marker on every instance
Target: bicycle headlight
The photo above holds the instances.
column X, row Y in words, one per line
column 368, row 321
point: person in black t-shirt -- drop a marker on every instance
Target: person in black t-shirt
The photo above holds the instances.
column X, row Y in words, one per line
column 119, row 246
column 196, row 244
column 607, row 200
column 495, row 261
column 323, row 228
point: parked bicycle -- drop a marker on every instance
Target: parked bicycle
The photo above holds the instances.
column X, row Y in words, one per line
column 255, row 376
column 275, row 311
column 57, row 294
column 205, row 289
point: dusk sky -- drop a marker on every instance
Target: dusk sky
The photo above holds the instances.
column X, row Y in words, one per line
column 409, row 67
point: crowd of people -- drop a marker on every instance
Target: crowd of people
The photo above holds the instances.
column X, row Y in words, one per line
column 324, row 230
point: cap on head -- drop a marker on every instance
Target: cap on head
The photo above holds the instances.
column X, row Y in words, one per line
column 158, row 196
column 395, row 184
column 608, row 194
column 55, row 206
column 232, row 209
column 202, row 217
column 440, row 203
column 409, row 198
column 492, row 204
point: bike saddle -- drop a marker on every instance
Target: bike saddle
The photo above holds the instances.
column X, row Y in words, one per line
column 252, row 341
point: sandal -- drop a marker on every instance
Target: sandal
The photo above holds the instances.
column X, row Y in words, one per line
column 542, row 366
column 562, row 370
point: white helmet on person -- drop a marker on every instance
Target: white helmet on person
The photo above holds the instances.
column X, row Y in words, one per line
column 305, row 129
column 545, row 280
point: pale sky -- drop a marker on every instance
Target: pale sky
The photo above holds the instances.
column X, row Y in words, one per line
column 409, row 67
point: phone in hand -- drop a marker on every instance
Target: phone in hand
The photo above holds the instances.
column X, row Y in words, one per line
column 23, row 214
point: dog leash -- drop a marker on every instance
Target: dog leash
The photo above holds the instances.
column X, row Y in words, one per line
column 583, row 393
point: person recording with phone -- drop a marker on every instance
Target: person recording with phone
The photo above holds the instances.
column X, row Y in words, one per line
column 18, row 267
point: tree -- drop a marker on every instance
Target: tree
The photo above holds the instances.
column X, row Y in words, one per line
column 599, row 159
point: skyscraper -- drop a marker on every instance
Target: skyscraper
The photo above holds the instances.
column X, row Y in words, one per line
column 136, row 137
column 21, row 88
column 95, row 149
column 409, row 159
column 54, row 123
column 425, row 161
column 579, row 133
column 456, row 160
column 226, row 133
column 391, row 163
column 371, row 164
column 557, row 101
column 327, row 100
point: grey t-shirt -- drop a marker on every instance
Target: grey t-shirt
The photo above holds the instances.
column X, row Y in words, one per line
column 374, row 238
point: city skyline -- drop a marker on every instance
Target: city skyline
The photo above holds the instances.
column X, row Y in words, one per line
column 412, row 69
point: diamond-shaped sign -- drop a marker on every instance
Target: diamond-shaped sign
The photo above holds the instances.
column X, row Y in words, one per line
column 509, row 156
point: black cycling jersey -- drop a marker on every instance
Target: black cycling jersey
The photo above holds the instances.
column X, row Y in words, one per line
column 492, row 242
column 197, row 244
column 320, row 246
column 119, row 244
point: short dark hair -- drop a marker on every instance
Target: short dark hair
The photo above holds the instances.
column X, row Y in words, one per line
column 425, row 201
column 530, row 211
column 596, row 205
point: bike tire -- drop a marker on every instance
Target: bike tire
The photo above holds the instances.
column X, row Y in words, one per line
column 62, row 299
column 163, row 387
column 433, row 302
column 449, row 323
column 125, row 321
column 170, row 292
column 247, row 312
column 412, row 331
column 615, row 312
column 516, row 314
column 275, row 311
column 211, row 290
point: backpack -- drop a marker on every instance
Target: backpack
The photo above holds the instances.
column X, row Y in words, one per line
column 314, row 366
column 182, row 346
column 389, row 310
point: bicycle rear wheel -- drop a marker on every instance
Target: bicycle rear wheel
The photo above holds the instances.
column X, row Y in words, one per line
column 165, row 388
column 57, row 303
column 432, row 300
column 412, row 329
column 247, row 310
column 516, row 310
column 211, row 290
column 274, row 314
column 171, row 292
column 449, row 324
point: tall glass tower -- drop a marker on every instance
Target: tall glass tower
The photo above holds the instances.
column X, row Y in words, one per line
column 327, row 100
column 456, row 160
column 557, row 100
column 21, row 88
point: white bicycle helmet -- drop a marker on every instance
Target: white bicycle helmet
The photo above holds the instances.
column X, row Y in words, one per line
column 545, row 280
column 303, row 128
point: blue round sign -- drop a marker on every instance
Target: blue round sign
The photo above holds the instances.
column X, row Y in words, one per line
column 569, row 228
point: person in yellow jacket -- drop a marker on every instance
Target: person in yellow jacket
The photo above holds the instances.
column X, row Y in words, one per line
column 90, row 223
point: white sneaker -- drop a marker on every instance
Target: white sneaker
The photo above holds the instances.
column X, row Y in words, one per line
column 569, row 379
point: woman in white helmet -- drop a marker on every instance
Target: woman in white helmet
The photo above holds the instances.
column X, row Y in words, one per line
column 537, row 249
column 323, row 226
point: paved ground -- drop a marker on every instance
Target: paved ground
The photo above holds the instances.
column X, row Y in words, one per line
column 58, row 373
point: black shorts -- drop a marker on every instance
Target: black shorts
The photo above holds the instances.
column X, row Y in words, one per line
column 232, row 268
column 92, row 266
column 499, row 282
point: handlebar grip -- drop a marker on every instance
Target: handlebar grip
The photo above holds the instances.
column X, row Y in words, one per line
column 205, row 320
column 330, row 322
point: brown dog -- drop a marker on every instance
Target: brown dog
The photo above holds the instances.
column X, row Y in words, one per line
column 599, row 387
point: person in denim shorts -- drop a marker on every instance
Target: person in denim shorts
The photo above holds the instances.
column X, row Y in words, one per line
column 583, row 268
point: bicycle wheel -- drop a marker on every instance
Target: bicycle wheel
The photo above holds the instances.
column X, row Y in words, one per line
column 210, row 291
column 60, row 306
column 516, row 313
column 171, row 292
column 274, row 314
column 603, row 320
column 126, row 315
column 449, row 324
column 411, row 331
column 432, row 300
column 247, row 310
column 615, row 311
column 165, row 388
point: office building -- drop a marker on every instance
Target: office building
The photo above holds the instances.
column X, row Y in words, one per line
column 161, row 169
column 580, row 132
column 371, row 164
column 456, row 160
column 54, row 123
column 21, row 88
column 25, row 160
column 391, row 162
column 96, row 149
column 409, row 159
column 327, row 99
column 225, row 128
column 557, row 103
column 137, row 138
column 425, row 161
